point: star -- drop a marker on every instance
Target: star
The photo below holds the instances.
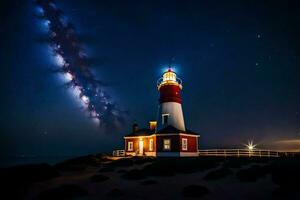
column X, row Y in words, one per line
column 258, row 36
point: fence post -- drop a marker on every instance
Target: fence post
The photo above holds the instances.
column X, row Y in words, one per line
column 260, row 153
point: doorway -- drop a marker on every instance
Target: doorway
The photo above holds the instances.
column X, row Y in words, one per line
column 141, row 147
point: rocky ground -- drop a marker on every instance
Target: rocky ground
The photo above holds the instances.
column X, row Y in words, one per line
column 103, row 177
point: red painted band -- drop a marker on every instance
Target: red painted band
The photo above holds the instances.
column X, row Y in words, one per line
column 170, row 93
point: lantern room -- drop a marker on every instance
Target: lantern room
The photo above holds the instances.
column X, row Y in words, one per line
column 169, row 78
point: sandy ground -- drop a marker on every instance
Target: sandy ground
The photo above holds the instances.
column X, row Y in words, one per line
column 165, row 188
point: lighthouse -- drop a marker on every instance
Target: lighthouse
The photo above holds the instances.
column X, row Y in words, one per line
column 170, row 109
column 168, row 136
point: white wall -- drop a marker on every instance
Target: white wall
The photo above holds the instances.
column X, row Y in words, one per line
column 176, row 118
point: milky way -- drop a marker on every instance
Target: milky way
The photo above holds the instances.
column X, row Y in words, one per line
column 74, row 64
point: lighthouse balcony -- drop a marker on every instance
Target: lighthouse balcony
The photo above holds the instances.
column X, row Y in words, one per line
column 162, row 81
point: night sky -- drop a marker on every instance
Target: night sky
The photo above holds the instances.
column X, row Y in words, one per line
column 239, row 62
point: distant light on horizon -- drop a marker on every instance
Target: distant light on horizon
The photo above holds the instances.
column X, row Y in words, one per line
column 250, row 146
column 287, row 144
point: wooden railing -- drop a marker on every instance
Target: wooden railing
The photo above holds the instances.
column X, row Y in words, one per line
column 232, row 153
column 239, row 153
column 119, row 153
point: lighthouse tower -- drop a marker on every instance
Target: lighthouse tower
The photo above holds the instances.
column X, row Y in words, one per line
column 170, row 138
column 170, row 110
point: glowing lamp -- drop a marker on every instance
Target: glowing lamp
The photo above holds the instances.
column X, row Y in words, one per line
column 169, row 75
column 169, row 78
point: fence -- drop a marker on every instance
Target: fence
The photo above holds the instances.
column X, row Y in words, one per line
column 238, row 153
column 232, row 153
column 119, row 153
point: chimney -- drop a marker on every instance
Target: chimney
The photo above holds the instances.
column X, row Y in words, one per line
column 152, row 125
column 135, row 127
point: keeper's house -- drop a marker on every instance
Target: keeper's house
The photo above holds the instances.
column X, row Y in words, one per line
column 168, row 136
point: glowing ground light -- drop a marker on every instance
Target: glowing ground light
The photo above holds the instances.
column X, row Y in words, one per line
column 250, row 146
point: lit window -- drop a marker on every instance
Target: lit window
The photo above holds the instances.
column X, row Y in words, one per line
column 130, row 146
column 184, row 143
column 169, row 76
column 167, row 144
column 165, row 118
column 151, row 145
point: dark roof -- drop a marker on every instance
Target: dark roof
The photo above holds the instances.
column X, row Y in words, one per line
column 172, row 129
column 140, row 132
column 167, row 130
